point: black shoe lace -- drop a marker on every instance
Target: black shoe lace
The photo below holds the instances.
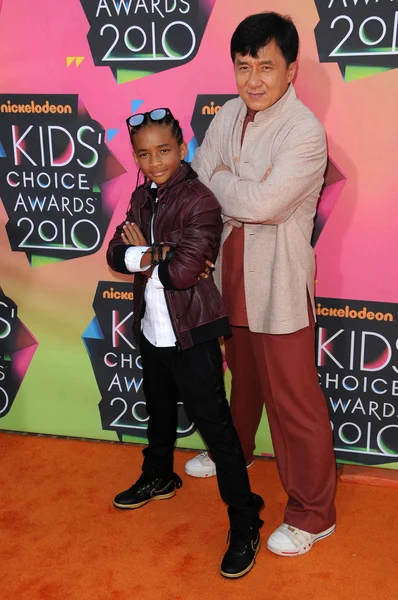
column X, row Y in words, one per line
column 145, row 479
column 242, row 537
column 235, row 535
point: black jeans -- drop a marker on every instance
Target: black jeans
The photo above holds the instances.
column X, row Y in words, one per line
column 194, row 377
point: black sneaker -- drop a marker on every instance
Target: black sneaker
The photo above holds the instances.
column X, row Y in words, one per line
column 146, row 489
column 240, row 557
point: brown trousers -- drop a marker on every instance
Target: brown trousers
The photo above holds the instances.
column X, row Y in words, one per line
column 279, row 371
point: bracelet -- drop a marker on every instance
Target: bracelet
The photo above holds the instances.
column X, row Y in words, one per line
column 156, row 253
column 160, row 252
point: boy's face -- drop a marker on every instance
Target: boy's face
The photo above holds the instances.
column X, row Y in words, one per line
column 264, row 79
column 157, row 152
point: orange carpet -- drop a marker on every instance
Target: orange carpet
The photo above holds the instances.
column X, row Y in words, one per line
column 61, row 539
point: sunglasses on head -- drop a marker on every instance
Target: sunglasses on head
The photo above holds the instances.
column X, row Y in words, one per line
column 157, row 114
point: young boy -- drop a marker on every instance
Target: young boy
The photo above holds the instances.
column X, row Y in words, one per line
column 172, row 230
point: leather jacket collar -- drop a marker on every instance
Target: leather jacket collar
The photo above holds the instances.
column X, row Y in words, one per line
column 186, row 172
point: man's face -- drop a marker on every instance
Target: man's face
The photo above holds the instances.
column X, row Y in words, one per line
column 263, row 80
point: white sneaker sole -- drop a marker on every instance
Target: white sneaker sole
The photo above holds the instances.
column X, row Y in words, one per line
column 303, row 550
column 211, row 473
column 201, row 474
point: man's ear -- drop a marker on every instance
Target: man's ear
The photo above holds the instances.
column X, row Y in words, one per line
column 291, row 71
column 183, row 150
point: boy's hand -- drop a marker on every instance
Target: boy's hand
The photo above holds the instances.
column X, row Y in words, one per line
column 132, row 235
column 205, row 273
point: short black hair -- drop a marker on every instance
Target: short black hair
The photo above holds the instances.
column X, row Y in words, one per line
column 168, row 121
column 256, row 31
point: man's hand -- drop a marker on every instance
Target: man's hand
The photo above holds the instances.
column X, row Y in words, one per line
column 266, row 174
column 132, row 235
column 221, row 167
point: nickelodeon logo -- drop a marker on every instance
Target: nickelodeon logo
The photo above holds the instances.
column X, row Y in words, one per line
column 33, row 107
column 210, row 110
column 113, row 294
column 205, row 109
column 350, row 313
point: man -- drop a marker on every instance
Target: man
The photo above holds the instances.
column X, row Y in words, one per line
column 264, row 158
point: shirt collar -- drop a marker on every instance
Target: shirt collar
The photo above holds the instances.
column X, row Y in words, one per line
column 251, row 113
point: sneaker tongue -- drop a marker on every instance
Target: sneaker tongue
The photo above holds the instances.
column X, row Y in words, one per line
column 238, row 537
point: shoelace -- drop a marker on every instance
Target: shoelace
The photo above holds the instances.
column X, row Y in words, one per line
column 143, row 480
column 243, row 541
column 239, row 535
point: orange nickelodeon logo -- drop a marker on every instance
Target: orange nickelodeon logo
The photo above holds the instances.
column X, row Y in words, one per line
column 33, row 107
column 210, row 110
column 113, row 294
column 350, row 313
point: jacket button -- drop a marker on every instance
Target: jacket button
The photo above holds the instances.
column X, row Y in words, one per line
column 183, row 339
column 177, row 316
column 172, row 294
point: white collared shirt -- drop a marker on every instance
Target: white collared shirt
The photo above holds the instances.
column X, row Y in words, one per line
column 156, row 323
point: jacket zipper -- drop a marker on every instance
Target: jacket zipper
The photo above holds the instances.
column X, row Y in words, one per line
column 151, row 231
column 178, row 345
column 154, row 210
column 154, row 215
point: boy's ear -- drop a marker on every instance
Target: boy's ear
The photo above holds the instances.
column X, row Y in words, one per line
column 135, row 157
column 183, row 150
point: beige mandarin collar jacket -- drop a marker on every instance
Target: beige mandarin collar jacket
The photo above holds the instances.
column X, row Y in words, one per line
column 278, row 213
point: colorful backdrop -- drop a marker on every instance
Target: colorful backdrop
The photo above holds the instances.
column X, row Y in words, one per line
column 71, row 73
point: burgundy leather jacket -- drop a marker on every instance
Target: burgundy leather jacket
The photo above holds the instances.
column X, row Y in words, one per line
column 188, row 218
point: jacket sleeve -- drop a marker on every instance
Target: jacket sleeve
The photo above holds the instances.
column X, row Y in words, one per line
column 116, row 249
column 199, row 242
column 297, row 172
